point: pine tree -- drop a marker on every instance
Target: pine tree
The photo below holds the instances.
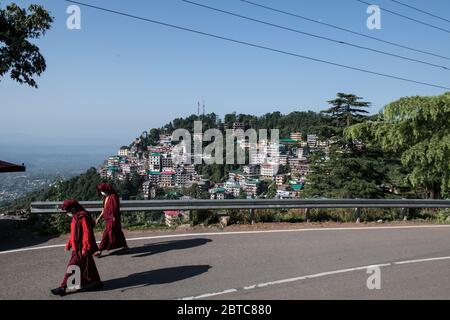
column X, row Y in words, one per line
column 346, row 109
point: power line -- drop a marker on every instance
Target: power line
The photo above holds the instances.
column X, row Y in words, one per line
column 257, row 45
column 317, row 36
column 420, row 10
column 345, row 30
column 408, row 18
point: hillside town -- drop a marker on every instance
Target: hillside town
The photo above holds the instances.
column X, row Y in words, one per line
column 274, row 169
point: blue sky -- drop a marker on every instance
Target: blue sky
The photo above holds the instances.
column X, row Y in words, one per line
column 116, row 77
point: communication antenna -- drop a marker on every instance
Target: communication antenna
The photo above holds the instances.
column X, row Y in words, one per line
column 204, row 107
column 198, row 108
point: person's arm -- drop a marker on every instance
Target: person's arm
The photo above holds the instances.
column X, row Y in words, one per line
column 68, row 245
column 86, row 237
column 99, row 217
column 69, row 242
column 101, row 214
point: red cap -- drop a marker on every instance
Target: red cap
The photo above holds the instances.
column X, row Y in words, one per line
column 69, row 203
column 105, row 187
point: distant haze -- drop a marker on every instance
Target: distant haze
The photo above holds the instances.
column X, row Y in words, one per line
column 56, row 159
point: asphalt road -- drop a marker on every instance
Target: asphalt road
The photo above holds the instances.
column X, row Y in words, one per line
column 294, row 264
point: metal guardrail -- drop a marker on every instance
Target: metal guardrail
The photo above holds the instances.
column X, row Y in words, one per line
column 157, row 205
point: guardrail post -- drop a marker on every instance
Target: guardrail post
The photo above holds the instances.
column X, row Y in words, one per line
column 252, row 216
column 405, row 213
column 357, row 214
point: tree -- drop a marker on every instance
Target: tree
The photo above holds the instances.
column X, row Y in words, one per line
column 17, row 54
column 130, row 187
column 272, row 191
column 346, row 109
column 350, row 173
column 195, row 192
column 229, row 119
column 350, row 170
column 418, row 130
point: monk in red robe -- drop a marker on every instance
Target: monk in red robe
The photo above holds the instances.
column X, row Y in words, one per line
column 83, row 245
column 113, row 237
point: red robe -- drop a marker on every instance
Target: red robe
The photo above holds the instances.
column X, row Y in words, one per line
column 113, row 236
column 82, row 242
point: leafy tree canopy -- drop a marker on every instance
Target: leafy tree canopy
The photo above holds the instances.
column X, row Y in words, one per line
column 18, row 55
column 418, row 130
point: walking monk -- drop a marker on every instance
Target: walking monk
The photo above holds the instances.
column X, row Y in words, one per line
column 113, row 237
column 83, row 245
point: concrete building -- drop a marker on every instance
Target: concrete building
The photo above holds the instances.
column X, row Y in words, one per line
column 148, row 190
column 257, row 157
column 232, row 187
column 311, row 139
column 153, row 177
column 182, row 178
column 280, row 179
column 167, row 179
column 283, row 159
column 123, row 151
column 217, row 193
column 154, row 161
column 297, row 136
column 251, row 187
column 252, row 170
column 165, row 139
column 237, row 125
column 176, row 217
column 166, row 163
column 236, row 175
column 301, row 152
column 268, row 171
column 113, row 161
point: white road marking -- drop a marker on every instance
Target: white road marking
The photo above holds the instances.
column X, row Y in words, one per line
column 316, row 275
column 422, row 260
column 207, row 295
column 32, row 248
column 236, row 233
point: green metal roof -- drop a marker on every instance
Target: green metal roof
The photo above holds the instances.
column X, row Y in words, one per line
column 289, row 140
column 252, row 181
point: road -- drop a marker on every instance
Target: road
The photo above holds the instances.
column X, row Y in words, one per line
column 322, row 263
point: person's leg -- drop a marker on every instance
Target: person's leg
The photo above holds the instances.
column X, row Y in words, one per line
column 117, row 238
column 104, row 244
column 74, row 261
column 61, row 290
column 121, row 242
column 89, row 273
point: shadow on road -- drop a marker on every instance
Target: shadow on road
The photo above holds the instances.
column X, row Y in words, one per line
column 155, row 248
column 158, row 276
column 13, row 237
